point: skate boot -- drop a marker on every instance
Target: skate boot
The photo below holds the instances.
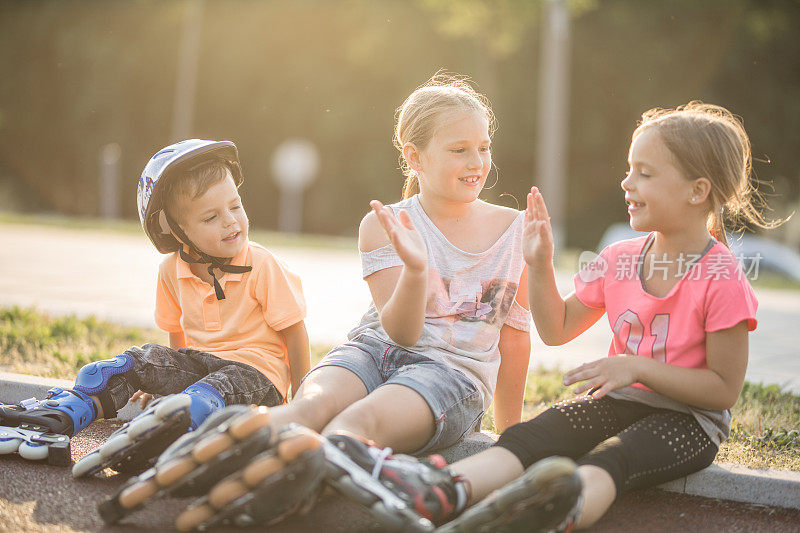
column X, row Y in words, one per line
column 402, row 492
column 135, row 446
column 41, row 429
column 266, row 473
column 545, row 498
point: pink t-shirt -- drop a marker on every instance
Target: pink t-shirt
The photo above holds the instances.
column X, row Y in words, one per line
column 713, row 294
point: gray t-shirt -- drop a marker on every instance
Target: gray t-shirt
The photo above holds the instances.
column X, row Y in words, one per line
column 470, row 297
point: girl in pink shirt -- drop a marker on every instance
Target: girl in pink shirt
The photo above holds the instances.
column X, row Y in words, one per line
column 680, row 309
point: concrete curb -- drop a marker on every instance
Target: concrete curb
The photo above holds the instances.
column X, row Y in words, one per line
column 779, row 488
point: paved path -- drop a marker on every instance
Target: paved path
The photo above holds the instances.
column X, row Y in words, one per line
column 37, row 498
column 112, row 275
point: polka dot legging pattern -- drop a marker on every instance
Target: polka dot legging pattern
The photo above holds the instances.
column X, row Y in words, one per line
column 638, row 445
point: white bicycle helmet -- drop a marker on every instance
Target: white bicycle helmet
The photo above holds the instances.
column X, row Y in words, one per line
column 168, row 162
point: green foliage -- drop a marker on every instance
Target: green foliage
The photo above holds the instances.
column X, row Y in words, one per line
column 91, row 73
column 499, row 25
column 761, row 407
column 34, row 343
column 771, row 439
column 764, row 429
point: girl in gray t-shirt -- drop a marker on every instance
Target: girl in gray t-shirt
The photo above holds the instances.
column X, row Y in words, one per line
column 447, row 325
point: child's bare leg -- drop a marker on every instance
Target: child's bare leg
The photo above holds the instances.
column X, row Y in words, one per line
column 487, row 471
column 392, row 415
column 325, row 393
column 598, row 494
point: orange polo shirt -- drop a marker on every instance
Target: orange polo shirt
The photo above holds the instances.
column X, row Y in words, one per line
column 245, row 325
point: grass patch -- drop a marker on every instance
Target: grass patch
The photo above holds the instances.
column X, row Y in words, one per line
column 34, row 343
column 764, row 431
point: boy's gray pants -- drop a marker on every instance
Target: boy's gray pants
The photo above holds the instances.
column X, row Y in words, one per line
column 162, row 370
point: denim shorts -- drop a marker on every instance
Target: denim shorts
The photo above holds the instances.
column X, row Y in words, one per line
column 456, row 403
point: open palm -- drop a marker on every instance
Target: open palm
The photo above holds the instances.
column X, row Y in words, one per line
column 537, row 237
column 405, row 238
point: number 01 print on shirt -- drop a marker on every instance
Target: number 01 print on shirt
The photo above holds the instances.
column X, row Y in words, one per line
column 659, row 328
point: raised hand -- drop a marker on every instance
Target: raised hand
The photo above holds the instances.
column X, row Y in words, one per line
column 404, row 237
column 537, row 237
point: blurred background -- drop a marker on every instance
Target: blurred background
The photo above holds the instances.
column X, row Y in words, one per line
column 90, row 90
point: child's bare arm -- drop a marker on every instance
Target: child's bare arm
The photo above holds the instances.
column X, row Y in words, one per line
column 558, row 320
column 715, row 387
column 515, row 351
column 399, row 293
column 299, row 352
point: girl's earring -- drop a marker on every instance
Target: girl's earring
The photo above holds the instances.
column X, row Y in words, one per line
column 496, row 178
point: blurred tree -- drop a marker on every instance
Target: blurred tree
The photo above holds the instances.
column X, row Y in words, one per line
column 79, row 75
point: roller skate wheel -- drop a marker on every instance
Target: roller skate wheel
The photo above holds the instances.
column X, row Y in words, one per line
column 114, row 445
column 141, row 425
column 9, row 445
column 261, row 469
column 32, row 452
column 291, row 448
column 137, row 493
column 193, row 517
column 87, row 464
column 212, row 446
column 174, row 470
column 225, row 492
column 171, row 404
column 549, row 469
column 248, row 424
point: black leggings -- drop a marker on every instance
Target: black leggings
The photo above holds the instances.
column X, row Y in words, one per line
column 638, row 445
column 162, row 370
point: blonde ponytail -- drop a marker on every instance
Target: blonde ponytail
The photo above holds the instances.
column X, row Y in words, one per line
column 410, row 186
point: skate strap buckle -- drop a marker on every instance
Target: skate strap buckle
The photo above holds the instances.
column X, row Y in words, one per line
column 29, row 403
column 54, row 391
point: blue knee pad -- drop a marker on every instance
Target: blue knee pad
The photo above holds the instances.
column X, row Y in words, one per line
column 205, row 400
column 93, row 378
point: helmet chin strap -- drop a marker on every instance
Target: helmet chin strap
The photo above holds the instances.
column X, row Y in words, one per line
column 212, row 261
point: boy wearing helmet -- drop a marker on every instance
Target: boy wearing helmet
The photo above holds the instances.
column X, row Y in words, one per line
column 234, row 314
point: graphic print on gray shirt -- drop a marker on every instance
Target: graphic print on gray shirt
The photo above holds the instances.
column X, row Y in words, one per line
column 470, row 297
